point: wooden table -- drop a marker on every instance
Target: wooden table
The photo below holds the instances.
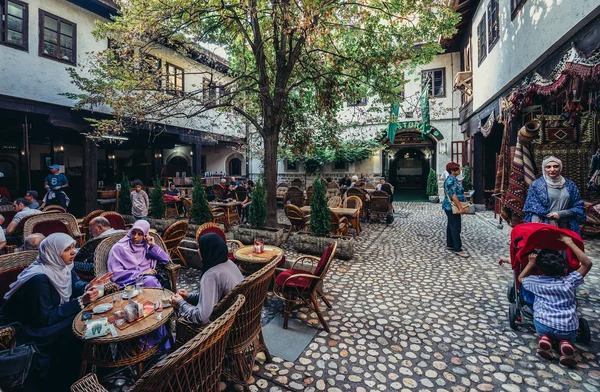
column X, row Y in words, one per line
column 251, row 262
column 351, row 213
column 131, row 345
column 231, row 213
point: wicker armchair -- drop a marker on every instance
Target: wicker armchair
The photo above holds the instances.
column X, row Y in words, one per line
column 281, row 192
column 85, row 224
column 11, row 266
column 17, row 234
column 116, row 220
column 172, row 236
column 240, row 193
column 302, row 284
column 206, row 228
column 84, row 259
column 196, row 366
column 355, row 191
column 370, row 186
column 101, row 261
column 297, row 183
column 219, row 215
column 295, row 196
column 353, row 202
column 339, row 225
column 187, row 207
column 55, row 208
column 380, row 205
column 246, row 339
column 309, row 192
column 219, row 192
column 334, row 202
column 298, row 220
column 47, row 224
column 333, row 189
column 7, row 334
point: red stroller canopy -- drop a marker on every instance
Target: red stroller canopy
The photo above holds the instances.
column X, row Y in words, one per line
column 527, row 237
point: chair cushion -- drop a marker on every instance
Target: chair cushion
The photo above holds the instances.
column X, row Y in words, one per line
column 6, row 279
column 116, row 222
column 216, row 230
column 303, row 283
column 323, row 261
column 49, row 227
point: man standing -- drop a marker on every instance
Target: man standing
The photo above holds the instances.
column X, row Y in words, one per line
column 55, row 183
column 31, row 197
column 23, row 211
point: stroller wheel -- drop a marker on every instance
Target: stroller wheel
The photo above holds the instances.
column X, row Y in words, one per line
column 583, row 334
column 512, row 316
column 510, row 294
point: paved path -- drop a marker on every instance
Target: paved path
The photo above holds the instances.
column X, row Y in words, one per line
column 408, row 315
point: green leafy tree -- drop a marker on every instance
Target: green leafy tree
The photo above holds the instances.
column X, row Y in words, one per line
column 200, row 211
column 257, row 215
column 292, row 66
column 157, row 201
column 467, row 182
column 432, row 183
column 124, row 196
column 320, row 224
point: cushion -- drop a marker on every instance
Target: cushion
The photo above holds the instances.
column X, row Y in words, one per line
column 6, row 279
column 303, row 283
column 116, row 221
column 214, row 229
column 49, row 227
column 323, row 261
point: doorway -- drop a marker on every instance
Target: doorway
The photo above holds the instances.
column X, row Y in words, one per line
column 408, row 175
column 235, row 167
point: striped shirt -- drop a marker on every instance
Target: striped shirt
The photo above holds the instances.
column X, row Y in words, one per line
column 555, row 305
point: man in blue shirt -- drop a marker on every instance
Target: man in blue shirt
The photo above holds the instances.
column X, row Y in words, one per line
column 56, row 182
column 31, row 197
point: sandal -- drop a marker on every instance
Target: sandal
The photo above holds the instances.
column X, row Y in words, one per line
column 567, row 357
column 544, row 348
column 462, row 254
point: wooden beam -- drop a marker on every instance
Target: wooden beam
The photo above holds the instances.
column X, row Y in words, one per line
column 90, row 175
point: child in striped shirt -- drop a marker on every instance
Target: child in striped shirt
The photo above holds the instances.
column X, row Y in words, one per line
column 555, row 306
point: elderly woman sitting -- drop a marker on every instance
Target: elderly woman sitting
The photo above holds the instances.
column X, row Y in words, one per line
column 220, row 276
column 45, row 299
column 136, row 257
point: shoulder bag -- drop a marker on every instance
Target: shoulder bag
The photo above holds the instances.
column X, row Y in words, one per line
column 15, row 362
column 455, row 208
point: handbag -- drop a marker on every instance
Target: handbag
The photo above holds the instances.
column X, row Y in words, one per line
column 463, row 204
column 15, row 363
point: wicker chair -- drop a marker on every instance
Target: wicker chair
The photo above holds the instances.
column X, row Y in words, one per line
column 370, row 185
column 195, row 366
column 101, row 261
column 116, row 220
column 7, row 335
column 380, row 205
column 339, row 225
column 281, row 192
column 206, row 228
column 84, row 259
column 355, row 191
column 297, row 183
column 219, row 192
column 187, row 207
column 85, row 224
column 302, row 284
column 172, row 236
column 295, row 196
column 240, row 193
column 18, row 230
column 47, row 224
column 246, row 339
column 333, row 189
column 171, row 210
column 334, row 202
column 54, row 207
column 298, row 220
column 309, row 192
column 11, row 266
column 219, row 215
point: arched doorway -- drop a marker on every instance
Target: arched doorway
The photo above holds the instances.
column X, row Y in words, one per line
column 178, row 164
column 235, row 167
column 409, row 170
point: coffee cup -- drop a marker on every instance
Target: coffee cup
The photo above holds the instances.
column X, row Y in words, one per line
column 100, row 288
column 129, row 290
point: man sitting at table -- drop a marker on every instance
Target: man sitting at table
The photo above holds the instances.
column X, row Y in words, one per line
column 100, row 227
column 219, row 276
column 363, row 189
column 33, row 241
column 21, row 206
column 31, row 197
column 345, row 181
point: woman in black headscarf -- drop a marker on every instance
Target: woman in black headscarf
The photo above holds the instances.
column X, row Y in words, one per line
column 220, row 275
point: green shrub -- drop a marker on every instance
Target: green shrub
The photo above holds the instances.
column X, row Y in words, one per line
column 157, row 201
column 467, row 183
column 257, row 216
column 125, row 197
column 319, row 211
column 432, row 183
column 200, row 211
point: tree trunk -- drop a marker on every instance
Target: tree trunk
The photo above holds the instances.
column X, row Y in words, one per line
column 271, row 140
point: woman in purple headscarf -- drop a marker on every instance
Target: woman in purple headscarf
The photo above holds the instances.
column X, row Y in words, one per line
column 136, row 256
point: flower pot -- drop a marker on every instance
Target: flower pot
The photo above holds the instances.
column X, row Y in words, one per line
column 313, row 245
column 247, row 235
column 434, row 199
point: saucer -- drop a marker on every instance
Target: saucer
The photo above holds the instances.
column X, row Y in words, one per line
column 102, row 308
column 135, row 293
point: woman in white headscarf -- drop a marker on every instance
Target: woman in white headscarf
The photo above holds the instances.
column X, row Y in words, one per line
column 45, row 299
column 554, row 199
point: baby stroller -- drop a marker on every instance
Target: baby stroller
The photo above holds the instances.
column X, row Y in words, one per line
column 525, row 239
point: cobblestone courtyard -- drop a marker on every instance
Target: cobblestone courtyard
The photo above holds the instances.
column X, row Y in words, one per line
column 409, row 315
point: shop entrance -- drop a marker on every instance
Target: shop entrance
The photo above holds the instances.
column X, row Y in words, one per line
column 408, row 174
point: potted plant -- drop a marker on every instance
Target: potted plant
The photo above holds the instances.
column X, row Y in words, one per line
column 319, row 237
column 432, row 187
column 200, row 210
column 124, row 199
column 257, row 219
column 157, row 201
column 467, row 182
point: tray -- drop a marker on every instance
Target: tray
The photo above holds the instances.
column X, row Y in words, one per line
column 147, row 312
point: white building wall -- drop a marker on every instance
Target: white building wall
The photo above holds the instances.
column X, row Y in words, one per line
column 537, row 29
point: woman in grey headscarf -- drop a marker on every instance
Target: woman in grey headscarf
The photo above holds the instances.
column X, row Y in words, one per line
column 45, row 299
column 554, row 199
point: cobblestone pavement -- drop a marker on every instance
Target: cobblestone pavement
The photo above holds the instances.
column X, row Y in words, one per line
column 408, row 315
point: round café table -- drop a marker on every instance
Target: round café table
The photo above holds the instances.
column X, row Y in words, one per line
column 132, row 346
column 250, row 262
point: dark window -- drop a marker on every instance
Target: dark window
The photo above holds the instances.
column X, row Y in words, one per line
column 515, row 7
column 14, row 23
column 481, row 46
column 436, row 79
column 340, row 165
column 58, row 38
column 360, row 102
column 493, row 15
column 291, row 165
column 174, row 79
column 459, row 153
column 209, row 90
column 152, row 65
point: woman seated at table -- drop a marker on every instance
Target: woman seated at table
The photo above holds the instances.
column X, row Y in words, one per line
column 135, row 256
column 220, row 275
column 45, row 299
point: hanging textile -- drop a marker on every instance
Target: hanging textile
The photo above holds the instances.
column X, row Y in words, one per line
column 521, row 176
column 486, row 128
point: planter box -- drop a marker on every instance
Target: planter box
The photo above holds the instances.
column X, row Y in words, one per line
column 308, row 243
column 248, row 235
